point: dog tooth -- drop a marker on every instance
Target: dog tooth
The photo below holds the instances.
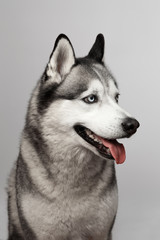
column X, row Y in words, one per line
column 95, row 140
column 87, row 131
column 95, row 137
column 91, row 136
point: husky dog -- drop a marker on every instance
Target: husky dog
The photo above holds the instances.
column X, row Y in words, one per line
column 63, row 186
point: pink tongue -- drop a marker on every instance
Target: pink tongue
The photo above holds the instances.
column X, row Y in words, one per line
column 117, row 149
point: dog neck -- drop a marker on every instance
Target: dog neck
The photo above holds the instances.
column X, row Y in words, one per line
column 67, row 171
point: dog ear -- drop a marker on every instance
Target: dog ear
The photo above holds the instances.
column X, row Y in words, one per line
column 97, row 50
column 61, row 60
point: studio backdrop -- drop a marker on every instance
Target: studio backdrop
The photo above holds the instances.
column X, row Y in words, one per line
column 132, row 33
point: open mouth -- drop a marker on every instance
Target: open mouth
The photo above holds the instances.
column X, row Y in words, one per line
column 110, row 149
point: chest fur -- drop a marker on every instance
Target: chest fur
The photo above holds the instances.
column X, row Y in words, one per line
column 89, row 215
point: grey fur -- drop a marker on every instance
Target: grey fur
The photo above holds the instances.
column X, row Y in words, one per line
column 60, row 189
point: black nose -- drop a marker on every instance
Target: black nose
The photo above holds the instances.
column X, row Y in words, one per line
column 130, row 125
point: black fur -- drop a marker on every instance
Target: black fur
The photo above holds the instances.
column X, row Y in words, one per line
column 21, row 170
column 111, row 227
column 46, row 96
column 97, row 51
column 56, row 43
column 15, row 235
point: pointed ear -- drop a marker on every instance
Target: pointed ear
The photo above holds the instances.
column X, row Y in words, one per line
column 97, row 50
column 61, row 59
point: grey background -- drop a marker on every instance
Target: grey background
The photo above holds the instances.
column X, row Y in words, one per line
column 132, row 33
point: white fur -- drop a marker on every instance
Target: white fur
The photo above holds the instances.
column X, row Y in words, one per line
column 104, row 117
column 61, row 61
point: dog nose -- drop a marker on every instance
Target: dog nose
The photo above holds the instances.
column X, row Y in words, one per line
column 130, row 125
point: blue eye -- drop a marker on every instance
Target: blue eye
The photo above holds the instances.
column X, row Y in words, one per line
column 91, row 99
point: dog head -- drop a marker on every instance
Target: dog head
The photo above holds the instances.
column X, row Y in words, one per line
column 77, row 102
